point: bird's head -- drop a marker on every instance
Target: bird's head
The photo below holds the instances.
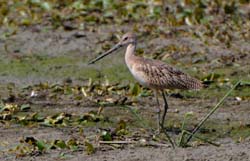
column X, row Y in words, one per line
column 128, row 38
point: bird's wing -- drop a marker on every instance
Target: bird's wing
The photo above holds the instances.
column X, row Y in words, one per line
column 161, row 75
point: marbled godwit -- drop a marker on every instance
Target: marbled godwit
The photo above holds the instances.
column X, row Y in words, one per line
column 153, row 74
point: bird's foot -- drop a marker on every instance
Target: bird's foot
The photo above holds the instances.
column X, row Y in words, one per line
column 164, row 131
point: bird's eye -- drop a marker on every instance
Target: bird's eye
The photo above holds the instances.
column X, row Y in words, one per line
column 126, row 38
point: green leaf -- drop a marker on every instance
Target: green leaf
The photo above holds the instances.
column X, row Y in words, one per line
column 46, row 6
column 26, row 21
column 78, row 5
column 35, row 1
column 25, row 107
column 106, row 136
column 121, row 126
column 41, row 145
column 89, row 148
column 135, row 89
column 72, row 144
column 61, row 144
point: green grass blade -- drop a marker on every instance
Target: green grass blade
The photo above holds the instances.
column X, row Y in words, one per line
column 212, row 111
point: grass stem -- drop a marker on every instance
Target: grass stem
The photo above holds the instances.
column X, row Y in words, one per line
column 212, row 111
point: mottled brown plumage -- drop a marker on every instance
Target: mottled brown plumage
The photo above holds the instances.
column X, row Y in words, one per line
column 153, row 74
column 160, row 76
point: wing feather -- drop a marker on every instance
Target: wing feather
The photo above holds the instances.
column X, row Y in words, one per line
column 161, row 75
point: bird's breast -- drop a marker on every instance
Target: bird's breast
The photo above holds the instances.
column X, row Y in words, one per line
column 139, row 76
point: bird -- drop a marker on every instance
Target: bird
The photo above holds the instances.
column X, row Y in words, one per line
column 153, row 74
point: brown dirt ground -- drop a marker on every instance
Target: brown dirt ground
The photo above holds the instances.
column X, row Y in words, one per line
column 60, row 43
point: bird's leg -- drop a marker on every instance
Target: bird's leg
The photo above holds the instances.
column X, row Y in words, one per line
column 165, row 108
column 163, row 120
column 158, row 111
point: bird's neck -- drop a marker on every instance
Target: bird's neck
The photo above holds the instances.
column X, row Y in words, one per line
column 130, row 54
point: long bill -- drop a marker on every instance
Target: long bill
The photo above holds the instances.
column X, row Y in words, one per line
column 117, row 46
